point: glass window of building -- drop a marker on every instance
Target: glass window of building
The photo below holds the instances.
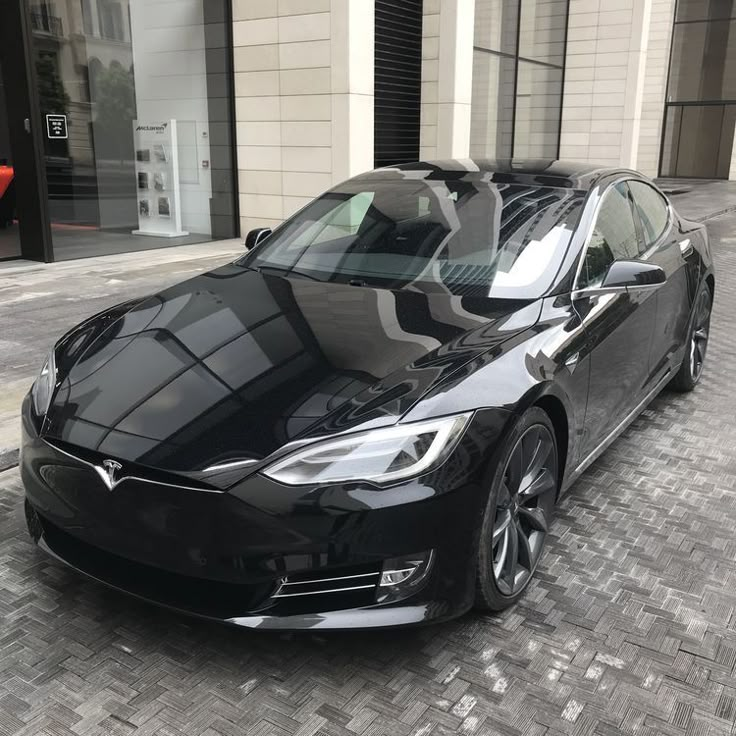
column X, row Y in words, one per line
column 518, row 67
column 701, row 96
column 136, row 99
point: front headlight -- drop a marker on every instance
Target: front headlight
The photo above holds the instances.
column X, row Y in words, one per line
column 380, row 455
column 43, row 388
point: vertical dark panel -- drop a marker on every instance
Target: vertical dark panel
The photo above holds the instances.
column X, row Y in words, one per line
column 221, row 97
column 398, row 78
column 25, row 131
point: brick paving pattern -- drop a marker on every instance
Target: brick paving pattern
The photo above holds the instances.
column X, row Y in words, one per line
column 629, row 627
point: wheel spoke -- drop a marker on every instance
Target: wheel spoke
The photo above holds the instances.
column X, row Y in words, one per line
column 500, row 560
column 543, row 483
column 501, row 525
column 693, row 359
column 536, row 462
column 534, row 517
column 504, row 496
column 526, row 557
column 515, row 469
column 530, row 446
column 512, row 557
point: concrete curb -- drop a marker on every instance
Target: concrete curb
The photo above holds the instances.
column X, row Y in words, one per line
column 719, row 213
column 8, row 459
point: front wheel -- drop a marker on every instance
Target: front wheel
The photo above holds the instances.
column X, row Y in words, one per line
column 688, row 376
column 519, row 510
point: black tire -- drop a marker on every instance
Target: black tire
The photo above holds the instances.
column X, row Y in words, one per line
column 520, row 505
column 691, row 369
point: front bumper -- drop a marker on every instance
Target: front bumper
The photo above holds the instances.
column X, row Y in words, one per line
column 226, row 555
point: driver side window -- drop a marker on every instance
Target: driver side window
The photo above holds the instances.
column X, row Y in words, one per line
column 614, row 237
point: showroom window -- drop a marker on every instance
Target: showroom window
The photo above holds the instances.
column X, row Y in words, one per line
column 136, row 102
column 518, row 69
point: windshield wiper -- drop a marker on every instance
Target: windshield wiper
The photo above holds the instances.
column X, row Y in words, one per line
column 287, row 272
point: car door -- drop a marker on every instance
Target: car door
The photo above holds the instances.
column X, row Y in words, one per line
column 619, row 323
column 663, row 245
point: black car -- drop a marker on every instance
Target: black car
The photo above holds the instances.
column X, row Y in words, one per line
column 368, row 418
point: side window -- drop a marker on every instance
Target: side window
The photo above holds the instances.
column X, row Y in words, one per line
column 652, row 209
column 614, row 237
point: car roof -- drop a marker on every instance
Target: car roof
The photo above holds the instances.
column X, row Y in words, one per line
column 553, row 173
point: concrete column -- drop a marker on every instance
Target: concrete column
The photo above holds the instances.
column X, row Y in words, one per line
column 303, row 99
column 447, row 76
column 634, row 94
column 614, row 93
column 352, row 48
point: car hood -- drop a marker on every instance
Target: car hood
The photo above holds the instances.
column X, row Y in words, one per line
column 233, row 364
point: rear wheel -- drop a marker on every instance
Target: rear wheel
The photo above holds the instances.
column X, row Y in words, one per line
column 519, row 510
column 691, row 370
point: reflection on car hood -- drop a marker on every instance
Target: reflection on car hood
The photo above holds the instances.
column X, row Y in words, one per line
column 233, row 364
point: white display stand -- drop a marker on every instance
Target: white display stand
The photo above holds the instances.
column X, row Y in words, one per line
column 157, row 179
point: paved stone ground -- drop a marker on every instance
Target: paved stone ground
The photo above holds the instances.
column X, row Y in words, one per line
column 40, row 302
column 629, row 627
column 701, row 199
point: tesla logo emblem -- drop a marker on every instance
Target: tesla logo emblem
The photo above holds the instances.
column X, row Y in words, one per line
column 107, row 472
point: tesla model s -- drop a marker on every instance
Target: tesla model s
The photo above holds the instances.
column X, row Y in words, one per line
column 368, row 418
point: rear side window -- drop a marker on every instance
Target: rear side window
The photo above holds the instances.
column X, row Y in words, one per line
column 614, row 237
column 653, row 211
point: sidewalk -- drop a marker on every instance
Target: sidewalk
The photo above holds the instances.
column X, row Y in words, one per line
column 703, row 199
column 39, row 302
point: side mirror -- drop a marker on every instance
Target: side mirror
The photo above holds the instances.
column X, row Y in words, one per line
column 632, row 274
column 256, row 236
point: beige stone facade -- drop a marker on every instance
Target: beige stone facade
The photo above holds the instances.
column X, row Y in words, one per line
column 304, row 89
column 304, row 101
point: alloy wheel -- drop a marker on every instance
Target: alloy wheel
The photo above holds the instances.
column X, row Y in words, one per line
column 524, row 505
column 699, row 338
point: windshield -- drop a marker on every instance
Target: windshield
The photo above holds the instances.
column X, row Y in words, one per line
column 465, row 236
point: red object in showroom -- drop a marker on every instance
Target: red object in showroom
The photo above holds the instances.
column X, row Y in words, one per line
column 6, row 176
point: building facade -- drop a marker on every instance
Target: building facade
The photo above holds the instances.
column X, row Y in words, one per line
column 270, row 102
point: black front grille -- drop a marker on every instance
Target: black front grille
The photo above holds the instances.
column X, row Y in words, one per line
column 398, row 76
column 203, row 597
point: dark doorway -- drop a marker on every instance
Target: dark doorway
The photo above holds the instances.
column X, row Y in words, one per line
column 398, row 75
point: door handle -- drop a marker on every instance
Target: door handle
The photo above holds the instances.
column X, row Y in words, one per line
column 27, row 124
column 686, row 247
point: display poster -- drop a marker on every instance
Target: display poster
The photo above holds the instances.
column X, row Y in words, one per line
column 157, row 174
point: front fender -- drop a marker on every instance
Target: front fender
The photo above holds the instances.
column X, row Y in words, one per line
column 541, row 365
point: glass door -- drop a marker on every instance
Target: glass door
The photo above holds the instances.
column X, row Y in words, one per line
column 137, row 122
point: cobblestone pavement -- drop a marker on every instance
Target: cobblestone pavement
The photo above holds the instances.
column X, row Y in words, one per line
column 629, row 627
